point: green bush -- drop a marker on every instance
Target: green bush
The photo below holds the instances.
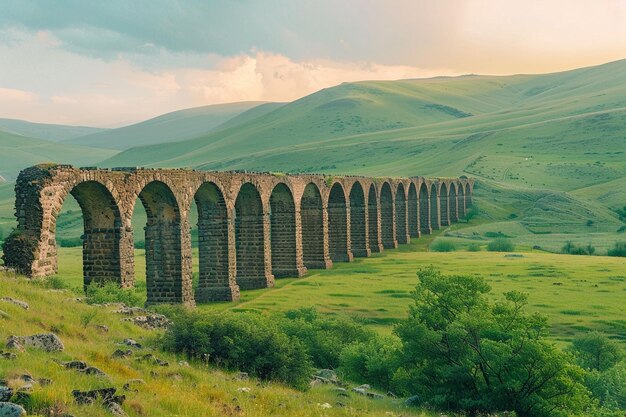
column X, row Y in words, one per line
column 140, row 244
column 323, row 337
column 373, row 362
column 473, row 247
column 440, row 245
column 241, row 341
column 595, row 351
column 72, row 242
column 609, row 387
column 500, row 245
column 111, row 292
column 463, row 352
column 572, row 249
column 619, row 249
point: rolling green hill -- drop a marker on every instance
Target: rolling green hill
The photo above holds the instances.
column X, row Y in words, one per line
column 170, row 127
column 18, row 152
column 557, row 141
column 45, row 131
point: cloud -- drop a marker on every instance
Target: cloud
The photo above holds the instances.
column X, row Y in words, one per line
column 13, row 96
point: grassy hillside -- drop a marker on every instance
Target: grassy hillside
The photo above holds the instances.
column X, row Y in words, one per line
column 173, row 390
column 18, row 152
column 45, row 131
column 170, row 127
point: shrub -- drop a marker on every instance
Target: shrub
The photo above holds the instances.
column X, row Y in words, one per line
column 71, row 242
column 572, row 249
column 473, row 247
column 471, row 213
column 500, row 245
column 619, row 249
column 440, row 245
column 111, row 292
column 1, row 234
column 241, row 341
column 140, row 244
column 622, row 229
column 373, row 362
column 463, row 352
column 595, row 351
column 323, row 337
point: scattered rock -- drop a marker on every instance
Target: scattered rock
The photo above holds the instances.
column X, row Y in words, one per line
column 5, row 394
column 151, row 358
column 130, row 385
column 241, row 376
column 341, row 392
column 364, row 390
column 132, row 343
column 8, row 355
column 20, row 303
column 44, row 381
column 130, row 311
column 184, row 364
column 327, row 375
column 325, row 405
column 150, row 322
column 102, row 327
column 364, row 386
column 243, row 389
column 48, row 342
column 513, row 255
column 106, row 395
column 413, row 401
column 115, row 409
column 11, row 410
column 79, row 365
column 92, row 370
column 119, row 353
column 375, row 395
column 360, row 391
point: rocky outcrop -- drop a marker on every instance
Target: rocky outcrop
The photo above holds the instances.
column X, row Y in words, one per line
column 11, row 410
column 20, row 303
column 48, row 342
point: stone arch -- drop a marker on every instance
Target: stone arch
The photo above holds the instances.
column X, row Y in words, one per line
column 435, row 217
column 413, row 211
column 372, row 220
column 102, row 224
column 444, row 204
column 402, row 234
column 214, row 283
column 461, row 200
column 283, row 232
column 338, row 234
column 249, row 238
column 358, row 221
column 424, row 208
column 164, row 274
column 453, row 203
column 312, row 219
column 387, row 233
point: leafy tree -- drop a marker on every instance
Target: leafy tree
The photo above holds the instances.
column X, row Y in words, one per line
column 462, row 352
column 500, row 245
column 373, row 362
column 619, row 249
column 595, row 351
column 609, row 387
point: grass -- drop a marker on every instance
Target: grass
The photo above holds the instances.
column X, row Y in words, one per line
column 176, row 390
column 377, row 290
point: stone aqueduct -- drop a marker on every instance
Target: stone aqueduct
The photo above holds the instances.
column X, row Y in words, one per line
column 252, row 227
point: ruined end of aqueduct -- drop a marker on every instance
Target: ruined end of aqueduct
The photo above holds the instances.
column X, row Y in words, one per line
column 252, row 227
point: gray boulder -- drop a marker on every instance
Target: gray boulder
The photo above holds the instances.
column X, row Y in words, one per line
column 48, row 342
column 11, row 410
column 5, row 394
column 22, row 304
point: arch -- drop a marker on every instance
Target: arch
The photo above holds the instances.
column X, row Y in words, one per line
column 283, row 232
column 443, row 204
column 102, row 225
column 249, row 238
column 413, row 211
column 372, row 220
column 387, row 234
column 453, row 204
column 164, row 276
column 358, row 221
column 424, row 208
column 338, row 237
column 435, row 218
column 461, row 201
column 214, row 283
column 402, row 234
column 312, row 218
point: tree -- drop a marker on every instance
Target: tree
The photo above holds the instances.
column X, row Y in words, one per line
column 462, row 352
column 595, row 351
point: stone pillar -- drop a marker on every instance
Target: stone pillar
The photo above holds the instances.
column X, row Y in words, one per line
column 435, row 217
column 267, row 251
column 424, row 209
column 314, row 227
column 373, row 221
column 300, row 268
column 400, row 208
column 339, row 232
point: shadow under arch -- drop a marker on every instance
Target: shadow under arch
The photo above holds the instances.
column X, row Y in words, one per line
column 213, row 246
column 283, row 232
column 164, row 275
column 358, row 221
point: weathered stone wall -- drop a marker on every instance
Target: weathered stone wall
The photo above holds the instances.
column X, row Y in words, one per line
column 253, row 227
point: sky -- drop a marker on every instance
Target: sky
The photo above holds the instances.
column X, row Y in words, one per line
column 111, row 63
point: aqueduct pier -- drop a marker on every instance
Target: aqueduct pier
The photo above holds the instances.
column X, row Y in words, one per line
column 252, row 227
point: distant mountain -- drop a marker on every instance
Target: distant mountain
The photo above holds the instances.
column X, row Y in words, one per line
column 171, row 127
column 18, row 152
column 46, row 131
